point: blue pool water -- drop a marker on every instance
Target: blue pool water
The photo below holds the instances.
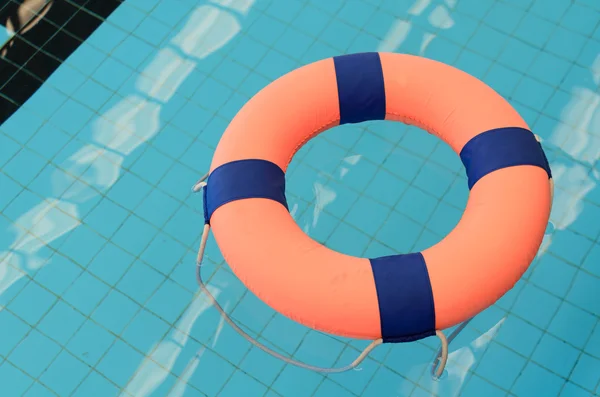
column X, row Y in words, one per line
column 99, row 229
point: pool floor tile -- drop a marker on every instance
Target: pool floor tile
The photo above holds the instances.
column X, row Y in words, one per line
column 98, row 296
column 537, row 381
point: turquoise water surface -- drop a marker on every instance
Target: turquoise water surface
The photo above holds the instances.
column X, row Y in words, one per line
column 99, row 229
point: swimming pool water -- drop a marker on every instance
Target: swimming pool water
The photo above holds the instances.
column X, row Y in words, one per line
column 99, row 229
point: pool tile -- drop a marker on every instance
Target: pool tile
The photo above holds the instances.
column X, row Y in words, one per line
column 593, row 344
column 233, row 105
column 127, row 17
column 275, row 65
column 572, row 390
column 134, row 226
column 500, row 365
column 310, row 20
column 110, row 264
column 532, row 93
column 319, row 349
column 11, row 190
column 171, row 14
column 252, row 312
column 107, row 38
column 475, row 8
column 61, row 322
column 169, row 301
column 211, row 95
column 37, row 390
column 90, row 342
column 565, row 43
column 411, row 360
column 444, row 219
column 285, row 13
column 209, row 365
column 388, row 383
column 32, row 303
column 22, row 125
column 487, row 41
column 58, row 274
column 191, row 118
column 555, row 355
column 553, row 275
column 434, row 180
column 65, row 374
column 417, row 141
column 357, row 172
column 356, row 13
column 329, row 388
column 399, row 233
column 592, row 261
column 12, row 331
column 549, row 68
column 348, row 240
column 129, row 191
column 403, row 164
column 585, row 292
column 570, row 246
column 585, row 224
column 536, row 306
column 338, row 35
column 534, row 30
column 212, row 132
column 386, row 187
column 150, row 370
column 476, row 387
column 95, row 385
column 241, row 384
column 502, row 79
column 562, row 325
column 45, row 102
column 472, row 63
column 367, row 215
column 34, row 354
column 163, row 253
column 115, row 311
column 14, row 382
column 504, row 17
column 85, row 293
column 519, row 335
column 297, row 382
column 343, row 200
column 185, row 225
column 518, row 55
column 261, row 365
column 82, row 245
column 536, row 381
column 145, row 331
column 356, row 381
column 293, row 43
column 580, row 19
column 417, row 205
column 92, row 94
column 284, row 333
column 373, row 147
column 106, row 217
column 586, row 372
column 24, row 166
column 119, row 363
column 589, row 52
column 248, row 52
column 132, row 285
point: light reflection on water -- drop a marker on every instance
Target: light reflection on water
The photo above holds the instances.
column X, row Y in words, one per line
column 135, row 119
